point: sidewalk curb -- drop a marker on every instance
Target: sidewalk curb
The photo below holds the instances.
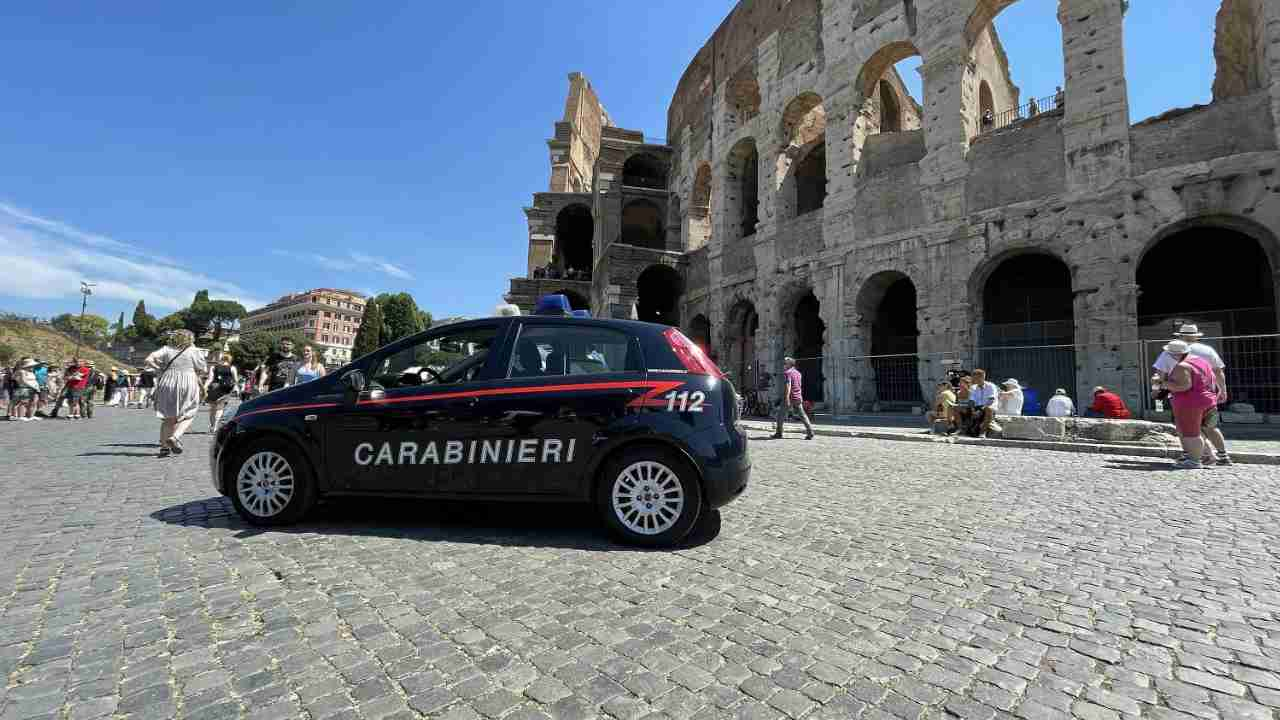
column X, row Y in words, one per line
column 1243, row 458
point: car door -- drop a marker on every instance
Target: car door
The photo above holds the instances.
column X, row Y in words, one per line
column 566, row 381
column 414, row 425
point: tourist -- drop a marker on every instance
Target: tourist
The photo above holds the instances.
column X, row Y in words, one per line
column 1190, row 334
column 42, row 379
column 1060, row 405
column 53, row 386
column 507, row 308
column 96, row 383
column 219, row 386
column 78, row 376
column 1193, row 392
column 1009, row 400
column 26, row 390
column 1107, row 404
column 944, row 402
column 792, row 395
column 278, row 369
column 309, row 369
column 6, row 392
column 1059, row 99
column 109, row 396
column 983, row 393
column 146, row 385
column 988, row 119
column 178, row 367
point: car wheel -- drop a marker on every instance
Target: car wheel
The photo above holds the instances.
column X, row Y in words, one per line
column 272, row 484
column 649, row 496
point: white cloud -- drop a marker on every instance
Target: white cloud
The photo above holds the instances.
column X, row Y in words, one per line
column 353, row 262
column 46, row 259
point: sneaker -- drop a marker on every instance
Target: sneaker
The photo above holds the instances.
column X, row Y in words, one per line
column 177, row 446
column 164, row 451
column 809, row 436
column 1224, row 459
column 35, row 417
column 24, row 419
column 1187, row 464
column 776, row 436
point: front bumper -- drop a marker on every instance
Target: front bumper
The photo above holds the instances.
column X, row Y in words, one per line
column 215, row 457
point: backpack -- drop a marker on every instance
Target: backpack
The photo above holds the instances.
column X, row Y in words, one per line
column 98, row 382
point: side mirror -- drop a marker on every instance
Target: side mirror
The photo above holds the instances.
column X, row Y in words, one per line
column 354, row 383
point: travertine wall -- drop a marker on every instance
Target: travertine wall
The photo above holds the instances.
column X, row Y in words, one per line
column 941, row 203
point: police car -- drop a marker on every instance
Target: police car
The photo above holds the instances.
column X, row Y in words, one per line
column 630, row 417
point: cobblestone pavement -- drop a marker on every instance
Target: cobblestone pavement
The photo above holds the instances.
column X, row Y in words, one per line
column 855, row 578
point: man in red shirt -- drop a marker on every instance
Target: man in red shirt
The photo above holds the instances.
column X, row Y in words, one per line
column 1108, row 405
column 78, row 376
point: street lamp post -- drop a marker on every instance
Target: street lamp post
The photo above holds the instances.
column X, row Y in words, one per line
column 86, row 289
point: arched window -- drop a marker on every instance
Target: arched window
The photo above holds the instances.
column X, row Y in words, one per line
column 574, row 229
column 644, row 170
column 802, row 166
column 811, row 180
column 1028, row 323
column 890, row 112
column 642, row 225
column 700, row 208
column 658, row 291
column 742, row 194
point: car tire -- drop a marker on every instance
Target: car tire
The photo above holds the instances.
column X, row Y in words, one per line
column 649, row 496
column 271, row 484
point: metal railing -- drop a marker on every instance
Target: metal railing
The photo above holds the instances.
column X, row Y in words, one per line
column 1032, row 108
column 1252, row 369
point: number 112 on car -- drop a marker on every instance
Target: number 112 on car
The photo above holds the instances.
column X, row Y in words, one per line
column 685, row 401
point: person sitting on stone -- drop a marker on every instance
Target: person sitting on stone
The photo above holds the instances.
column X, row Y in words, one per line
column 1107, row 404
column 1010, row 399
column 983, row 393
column 1060, row 405
column 944, row 402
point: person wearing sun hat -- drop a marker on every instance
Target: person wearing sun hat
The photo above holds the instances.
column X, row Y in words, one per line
column 26, row 390
column 1009, row 400
column 1192, row 391
column 1190, row 334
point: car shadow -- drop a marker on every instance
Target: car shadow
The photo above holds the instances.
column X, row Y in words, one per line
column 1145, row 465
column 532, row 524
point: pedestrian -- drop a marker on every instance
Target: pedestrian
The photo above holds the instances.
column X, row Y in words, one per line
column 96, row 382
column 1190, row 334
column 309, row 369
column 6, row 392
column 507, row 308
column 792, row 396
column 1193, row 391
column 1107, row 404
column 278, row 369
column 78, row 376
column 42, row 379
column 1060, row 405
column 109, row 395
column 26, row 391
column 983, row 393
column 178, row 367
column 146, row 385
column 1059, row 99
column 1009, row 400
column 53, row 385
column 219, row 386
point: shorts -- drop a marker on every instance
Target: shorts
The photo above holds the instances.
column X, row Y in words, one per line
column 1211, row 419
column 74, row 394
column 23, row 394
column 1188, row 421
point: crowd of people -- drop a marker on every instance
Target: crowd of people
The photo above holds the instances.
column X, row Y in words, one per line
column 175, row 381
column 553, row 272
column 1189, row 374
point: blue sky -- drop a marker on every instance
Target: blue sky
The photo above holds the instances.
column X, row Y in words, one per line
column 273, row 147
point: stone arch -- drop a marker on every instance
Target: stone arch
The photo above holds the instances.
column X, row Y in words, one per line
column 801, row 171
column 575, row 228
column 577, row 301
column 887, row 308
column 1240, row 49
column 881, row 100
column 658, row 291
column 644, row 170
column 1236, row 300
column 980, row 18
column 742, row 188
column 1025, row 299
column 700, row 208
column 742, row 322
column 806, row 336
column 986, row 104
column 642, row 225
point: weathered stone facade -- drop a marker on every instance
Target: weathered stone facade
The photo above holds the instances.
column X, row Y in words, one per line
column 929, row 192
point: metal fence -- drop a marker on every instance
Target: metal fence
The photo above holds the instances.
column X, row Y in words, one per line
column 1030, row 109
column 900, row 382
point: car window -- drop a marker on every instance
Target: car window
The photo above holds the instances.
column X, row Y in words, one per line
column 447, row 358
column 565, row 350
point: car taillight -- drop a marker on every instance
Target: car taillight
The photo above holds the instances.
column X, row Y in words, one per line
column 693, row 358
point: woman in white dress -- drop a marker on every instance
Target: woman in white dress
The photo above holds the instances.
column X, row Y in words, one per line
column 178, row 367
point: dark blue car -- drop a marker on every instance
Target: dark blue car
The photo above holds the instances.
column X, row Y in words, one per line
column 630, row 417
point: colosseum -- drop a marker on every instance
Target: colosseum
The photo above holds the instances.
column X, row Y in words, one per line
column 804, row 203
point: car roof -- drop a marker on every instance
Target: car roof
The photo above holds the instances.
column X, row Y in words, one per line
column 635, row 326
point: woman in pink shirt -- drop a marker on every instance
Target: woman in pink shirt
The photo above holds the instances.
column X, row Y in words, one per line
column 1193, row 391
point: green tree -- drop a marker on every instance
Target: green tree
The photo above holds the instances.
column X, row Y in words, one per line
column 254, row 347
column 93, row 328
column 223, row 315
column 171, row 322
column 400, row 316
column 144, row 326
column 369, row 336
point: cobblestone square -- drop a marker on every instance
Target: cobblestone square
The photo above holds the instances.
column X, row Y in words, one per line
column 854, row 579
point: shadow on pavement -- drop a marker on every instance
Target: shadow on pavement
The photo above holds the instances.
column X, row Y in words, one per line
column 1149, row 465
column 131, row 445
column 557, row 525
column 121, row 454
